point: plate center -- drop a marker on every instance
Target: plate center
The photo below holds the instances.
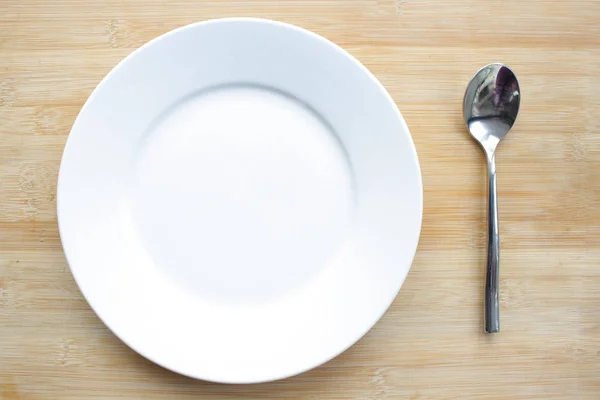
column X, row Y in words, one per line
column 241, row 194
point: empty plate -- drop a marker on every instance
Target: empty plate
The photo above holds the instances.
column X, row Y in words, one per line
column 239, row 200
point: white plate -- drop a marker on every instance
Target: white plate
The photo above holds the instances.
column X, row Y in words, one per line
column 240, row 200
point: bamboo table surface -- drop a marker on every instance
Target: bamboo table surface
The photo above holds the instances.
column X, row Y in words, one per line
column 430, row 343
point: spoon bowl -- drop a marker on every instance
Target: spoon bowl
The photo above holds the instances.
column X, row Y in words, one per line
column 491, row 104
column 490, row 108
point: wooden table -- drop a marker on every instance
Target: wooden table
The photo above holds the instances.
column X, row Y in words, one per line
column 430, row 344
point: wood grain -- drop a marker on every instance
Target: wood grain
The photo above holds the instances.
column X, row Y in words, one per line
column 429, row 345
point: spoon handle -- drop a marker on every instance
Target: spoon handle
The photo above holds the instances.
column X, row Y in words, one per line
column 492, row 306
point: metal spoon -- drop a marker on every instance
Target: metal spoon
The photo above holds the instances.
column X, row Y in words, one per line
column 490, row 108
